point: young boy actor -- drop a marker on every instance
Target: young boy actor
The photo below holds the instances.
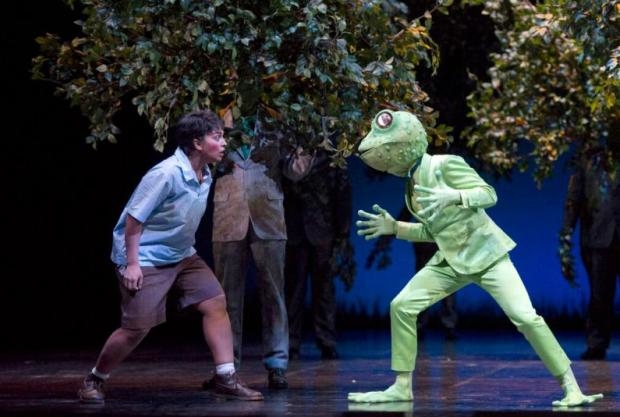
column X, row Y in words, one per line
column 448, row 199
column 153, row 252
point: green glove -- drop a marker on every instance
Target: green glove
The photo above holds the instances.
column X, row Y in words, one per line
column 378, row 224
column 437, row 198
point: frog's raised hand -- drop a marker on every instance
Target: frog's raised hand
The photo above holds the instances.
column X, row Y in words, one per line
column 436, row 198
column 375, row 225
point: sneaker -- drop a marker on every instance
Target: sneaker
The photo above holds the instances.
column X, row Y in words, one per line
column 277, row 379
column 230, row 386
column 92, row 390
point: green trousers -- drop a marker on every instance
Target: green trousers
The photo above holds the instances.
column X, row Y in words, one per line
column 501, row 281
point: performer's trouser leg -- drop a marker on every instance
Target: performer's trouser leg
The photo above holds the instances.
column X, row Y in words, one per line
column 323, row 296
column 504, row 284
column 429, row 285
column 295, row 287
column 268, row 257
column 603, row 268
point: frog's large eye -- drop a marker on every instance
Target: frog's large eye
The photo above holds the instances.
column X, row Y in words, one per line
column 384, row 119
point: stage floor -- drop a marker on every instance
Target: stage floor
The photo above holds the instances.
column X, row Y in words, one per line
column 479, row 374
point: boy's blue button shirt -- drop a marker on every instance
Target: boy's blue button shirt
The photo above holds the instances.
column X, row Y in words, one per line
column 169, row 202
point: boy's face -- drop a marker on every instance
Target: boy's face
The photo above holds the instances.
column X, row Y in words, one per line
column 213, row 146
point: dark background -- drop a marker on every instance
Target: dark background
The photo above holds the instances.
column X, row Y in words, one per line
column 63, row 199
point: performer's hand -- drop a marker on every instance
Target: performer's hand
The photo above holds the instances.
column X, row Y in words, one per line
column 132, row 277
column 437, row 198
column 376, row 225
column 299, row 163
column 567, row 262
column 568, row 271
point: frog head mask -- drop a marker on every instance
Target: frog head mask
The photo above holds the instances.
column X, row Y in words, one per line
column 397, row 140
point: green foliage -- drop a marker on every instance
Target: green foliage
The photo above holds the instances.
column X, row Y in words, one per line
column 342, row 263
column 314, row 67
column 554, row 85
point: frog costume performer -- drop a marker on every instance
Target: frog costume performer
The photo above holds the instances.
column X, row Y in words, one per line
column 448, row 198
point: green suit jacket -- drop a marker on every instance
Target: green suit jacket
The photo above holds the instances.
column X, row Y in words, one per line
column 466, row 236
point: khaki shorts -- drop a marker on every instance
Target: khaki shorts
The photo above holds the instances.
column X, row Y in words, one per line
column 191, row 278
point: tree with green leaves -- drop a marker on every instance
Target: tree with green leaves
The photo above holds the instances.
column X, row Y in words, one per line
column 317, row 68
column 554, row 86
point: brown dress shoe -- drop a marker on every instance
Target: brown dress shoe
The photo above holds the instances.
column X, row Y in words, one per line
column 230, row 386
column 92, row 390
column 277, row 379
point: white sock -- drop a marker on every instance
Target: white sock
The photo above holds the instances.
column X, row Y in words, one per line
column 98, row 374
column 225, row 368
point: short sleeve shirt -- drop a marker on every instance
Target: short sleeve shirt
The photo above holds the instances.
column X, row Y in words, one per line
column 169, row 202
